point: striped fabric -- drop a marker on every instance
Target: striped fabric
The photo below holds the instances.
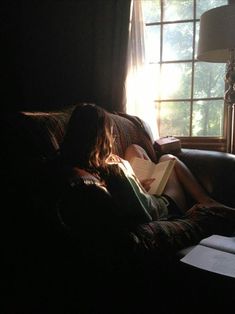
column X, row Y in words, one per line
column 173, row 235
column 47, row 130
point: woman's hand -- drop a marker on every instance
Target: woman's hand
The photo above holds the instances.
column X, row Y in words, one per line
column 146, row 183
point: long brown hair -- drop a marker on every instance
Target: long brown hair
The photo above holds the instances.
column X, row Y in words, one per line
column 88, row 141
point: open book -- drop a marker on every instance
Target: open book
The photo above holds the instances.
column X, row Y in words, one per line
column 146, row 169
column 215, row 253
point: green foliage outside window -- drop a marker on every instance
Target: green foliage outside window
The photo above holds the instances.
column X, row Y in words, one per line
column 189, row 93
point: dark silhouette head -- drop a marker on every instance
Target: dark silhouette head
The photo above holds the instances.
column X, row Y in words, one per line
column 88, row 139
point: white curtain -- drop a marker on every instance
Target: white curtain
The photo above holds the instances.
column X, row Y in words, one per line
column 139, row 85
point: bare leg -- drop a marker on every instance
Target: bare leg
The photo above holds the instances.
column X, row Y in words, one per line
column 180, row 182
column 175, row 189
column 135, row 150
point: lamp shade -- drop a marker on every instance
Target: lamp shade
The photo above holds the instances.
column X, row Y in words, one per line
column 217, row 34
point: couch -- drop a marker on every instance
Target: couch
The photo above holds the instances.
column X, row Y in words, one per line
column 50, row 269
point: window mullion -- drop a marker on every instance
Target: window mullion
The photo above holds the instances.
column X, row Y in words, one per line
column 193, row 64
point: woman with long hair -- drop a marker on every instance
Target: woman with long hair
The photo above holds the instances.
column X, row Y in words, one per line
column 88, row 152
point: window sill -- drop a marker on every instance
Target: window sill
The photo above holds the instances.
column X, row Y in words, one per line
column 205, row 143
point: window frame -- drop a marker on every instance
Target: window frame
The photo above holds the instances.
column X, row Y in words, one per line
column 217, row 143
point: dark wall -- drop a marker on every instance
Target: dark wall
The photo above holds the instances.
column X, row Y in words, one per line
column 47, row 53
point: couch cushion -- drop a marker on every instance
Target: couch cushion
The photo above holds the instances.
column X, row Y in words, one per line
column 39, row 134
column 46, row 129
column 33, row 135
column 131, row 130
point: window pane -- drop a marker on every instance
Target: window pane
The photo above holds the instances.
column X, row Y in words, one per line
column 176, row 80
column 178, row 10
column 177, row 41
column 209, row 80
column 174, row 118
column 183, row 108
column 154, row 80
column 196, row 39
column 208, row 118
column 151, row 11
column 153, row 43
column 204, row 5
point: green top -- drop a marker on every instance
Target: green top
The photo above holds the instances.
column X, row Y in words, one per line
column 130, row 197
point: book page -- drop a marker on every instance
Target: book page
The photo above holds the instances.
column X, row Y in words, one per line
column 161, row 174
column 146, row 169
column 211, row 260
column 226, row 244
column 142, row 168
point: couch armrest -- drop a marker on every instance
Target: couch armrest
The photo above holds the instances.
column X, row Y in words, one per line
column 214, row 170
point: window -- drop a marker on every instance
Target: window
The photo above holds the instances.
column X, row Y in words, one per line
column 188, row 94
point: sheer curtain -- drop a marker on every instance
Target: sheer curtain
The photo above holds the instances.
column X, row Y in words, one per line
column 139, row 85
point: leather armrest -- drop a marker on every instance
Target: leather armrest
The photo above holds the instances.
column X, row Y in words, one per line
column 214, row 170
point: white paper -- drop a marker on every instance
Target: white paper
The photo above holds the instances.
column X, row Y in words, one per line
column 226, row 244
column 211, row 259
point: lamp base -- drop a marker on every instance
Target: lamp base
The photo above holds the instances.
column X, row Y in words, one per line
column 232, row 148
column 229, row 98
